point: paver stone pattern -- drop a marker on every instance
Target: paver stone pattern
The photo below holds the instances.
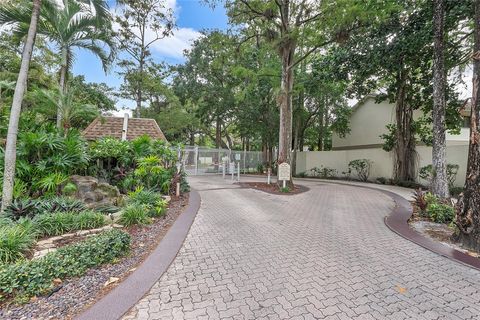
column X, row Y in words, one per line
column 322, row 254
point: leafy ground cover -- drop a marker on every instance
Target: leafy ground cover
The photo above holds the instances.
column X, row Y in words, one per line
column 71, row 295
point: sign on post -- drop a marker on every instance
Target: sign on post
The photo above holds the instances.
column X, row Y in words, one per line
column 284, row 173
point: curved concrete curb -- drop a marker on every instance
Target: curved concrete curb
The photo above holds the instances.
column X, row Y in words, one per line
column 118, row 301
column 397, row 221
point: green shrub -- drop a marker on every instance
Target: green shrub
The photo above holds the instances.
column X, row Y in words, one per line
column 184, row 186
column 150, row 200
column 5, row 221
column 135, row 214
column 89, row 220
column 46, row 160
column 361, row 167
column 383, row 180
column 455, row 191
column 420, row 200
column 427, row 173
column 407, row 184
column 35, row 277
column 107, row 208
column 260, row 168
column 159, row 209
column 152, row 173
column 440, row 213
column 58, row 223
column 60, row 204
column 28, row 208
column 323, row 172
column 285, row 189
column 15, row 241
column 143, row 196
column 21, row 208
column 301, row 174
column 69, row 189
column 430, row 198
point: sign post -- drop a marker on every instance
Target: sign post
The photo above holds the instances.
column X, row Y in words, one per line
column 284, row 173
column 179, row 167
column 269, row 173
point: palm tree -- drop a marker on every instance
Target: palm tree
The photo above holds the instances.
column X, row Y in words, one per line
column 84, row 24
column 74, row 113
column 11, row 147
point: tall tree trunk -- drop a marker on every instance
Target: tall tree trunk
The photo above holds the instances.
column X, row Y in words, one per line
column 296, row 134
column 321, row 129
column 192, row 139
column 439, row 154
column 468, row 206
column 285, row 104
column 218, row 141
column 218, row 133
column 404, row 166
column 139, row 89
column 20, row 87
column 62, row 83
column 326, row 124
column 264, row 152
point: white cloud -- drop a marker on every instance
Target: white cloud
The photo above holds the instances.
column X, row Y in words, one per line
column 174, row 46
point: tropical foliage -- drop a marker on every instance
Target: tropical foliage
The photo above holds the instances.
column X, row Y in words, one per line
column 35, row 277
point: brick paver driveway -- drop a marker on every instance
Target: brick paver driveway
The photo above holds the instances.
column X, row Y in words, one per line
column 323, row 254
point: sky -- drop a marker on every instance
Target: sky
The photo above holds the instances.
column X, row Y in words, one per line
column 191, row 17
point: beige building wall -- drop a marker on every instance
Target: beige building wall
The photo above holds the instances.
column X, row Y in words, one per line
column 367, row 124
column 382, row 165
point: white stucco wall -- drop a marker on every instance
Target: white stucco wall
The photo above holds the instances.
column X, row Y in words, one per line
column 382, row 165
column 368, row 121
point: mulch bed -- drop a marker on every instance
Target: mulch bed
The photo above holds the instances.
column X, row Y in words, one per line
column 439, row 232
column 76, row 294
column 272, row 188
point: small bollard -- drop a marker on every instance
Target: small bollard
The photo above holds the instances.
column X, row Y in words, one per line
column 224, row 169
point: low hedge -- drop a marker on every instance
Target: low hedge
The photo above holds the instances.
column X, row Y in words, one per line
column 28, row 278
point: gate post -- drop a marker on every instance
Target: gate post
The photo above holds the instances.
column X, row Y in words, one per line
column 224, row 164
column 244, row 160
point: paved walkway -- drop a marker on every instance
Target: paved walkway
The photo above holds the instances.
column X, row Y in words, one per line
column 323, row 254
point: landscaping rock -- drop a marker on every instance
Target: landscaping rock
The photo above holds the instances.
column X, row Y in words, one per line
column 109, row 190
column 84, row 183
column 95, row 193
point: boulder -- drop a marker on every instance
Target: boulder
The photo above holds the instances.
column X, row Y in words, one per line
column 95, row 193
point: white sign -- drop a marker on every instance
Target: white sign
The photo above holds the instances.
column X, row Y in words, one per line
column 237, row 156
column 283, row 171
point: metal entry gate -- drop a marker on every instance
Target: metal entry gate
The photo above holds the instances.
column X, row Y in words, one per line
column 202, row 160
